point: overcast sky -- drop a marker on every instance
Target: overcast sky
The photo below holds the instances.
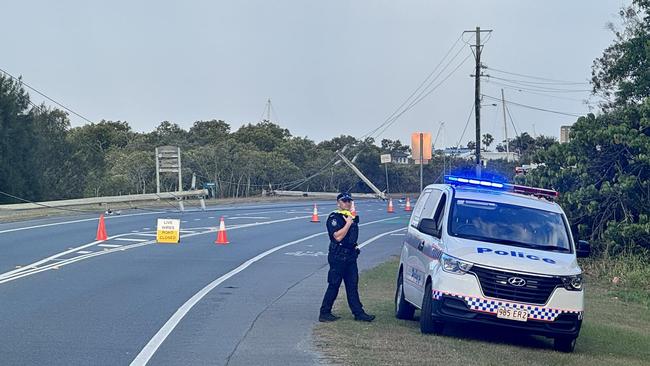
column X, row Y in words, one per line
column 329, row 67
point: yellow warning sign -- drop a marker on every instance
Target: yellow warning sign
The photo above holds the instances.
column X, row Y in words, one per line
column 168, row 231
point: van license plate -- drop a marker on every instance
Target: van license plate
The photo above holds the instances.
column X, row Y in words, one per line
column 512, row 314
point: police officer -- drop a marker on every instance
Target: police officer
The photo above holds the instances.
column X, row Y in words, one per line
column 343, row 231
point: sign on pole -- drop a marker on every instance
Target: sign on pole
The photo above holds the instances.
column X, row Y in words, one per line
column 385, row 158
column 168, row 160
column 426, row 146
column 168, row 231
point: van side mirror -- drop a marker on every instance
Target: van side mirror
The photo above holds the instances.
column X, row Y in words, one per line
column 429, row 227
column 584, row 249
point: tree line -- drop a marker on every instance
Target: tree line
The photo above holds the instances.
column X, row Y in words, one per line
column 43, row 158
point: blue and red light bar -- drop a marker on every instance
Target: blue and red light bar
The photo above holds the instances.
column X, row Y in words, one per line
column 476, row 182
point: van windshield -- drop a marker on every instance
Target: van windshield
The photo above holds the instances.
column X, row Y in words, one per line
column 508, row 224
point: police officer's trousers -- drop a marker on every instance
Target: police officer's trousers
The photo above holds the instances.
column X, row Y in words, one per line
column 342, row 268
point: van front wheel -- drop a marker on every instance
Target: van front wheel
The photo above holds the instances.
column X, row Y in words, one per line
column 564, row 344
column 428, row 325
column 403, row 309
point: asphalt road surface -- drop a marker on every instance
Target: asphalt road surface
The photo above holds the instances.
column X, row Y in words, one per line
column 66, row 299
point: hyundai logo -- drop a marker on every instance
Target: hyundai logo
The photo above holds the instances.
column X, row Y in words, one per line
column 517, row 281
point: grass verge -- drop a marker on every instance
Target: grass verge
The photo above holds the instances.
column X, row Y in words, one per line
column 614, row 332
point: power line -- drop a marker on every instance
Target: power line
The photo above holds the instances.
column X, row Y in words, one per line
column 419, row 89
column 585, row 101
column 19, row 80
column 512, row 121
column 535, row 108
column 537, row 77
column 532, row 86
column 469, row 117
column 425, row 95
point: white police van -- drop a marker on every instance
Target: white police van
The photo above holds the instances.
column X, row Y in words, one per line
column 485, row 252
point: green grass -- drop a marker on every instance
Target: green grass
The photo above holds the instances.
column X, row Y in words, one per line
column 614, row 332
column 626, row 276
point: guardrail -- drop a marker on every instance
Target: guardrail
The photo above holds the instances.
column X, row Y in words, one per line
column 105, row 200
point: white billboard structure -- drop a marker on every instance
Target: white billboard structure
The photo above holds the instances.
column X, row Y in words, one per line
column 168, row 160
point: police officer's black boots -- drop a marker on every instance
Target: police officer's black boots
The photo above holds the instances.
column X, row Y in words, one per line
column 328, row 317
column 364, row 317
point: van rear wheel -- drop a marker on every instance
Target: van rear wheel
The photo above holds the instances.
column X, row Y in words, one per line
column 428, row 325
column 403, row 309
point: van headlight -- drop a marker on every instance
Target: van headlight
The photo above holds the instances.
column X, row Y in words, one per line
column 454, row 265
column 572, row 283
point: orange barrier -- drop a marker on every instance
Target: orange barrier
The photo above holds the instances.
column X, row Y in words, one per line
column 314, row 215
column 222, row 238
column 101, row 229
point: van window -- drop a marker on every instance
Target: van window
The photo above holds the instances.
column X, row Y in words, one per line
column 501, row 223
column 417, row 210
column 426, row 209
column 440, row 212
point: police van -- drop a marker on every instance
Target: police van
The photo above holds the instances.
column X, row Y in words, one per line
column 479, row 251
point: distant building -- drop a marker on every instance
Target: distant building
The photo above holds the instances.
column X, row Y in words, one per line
column 564, row 134
column 469, row 154
column 400, row 158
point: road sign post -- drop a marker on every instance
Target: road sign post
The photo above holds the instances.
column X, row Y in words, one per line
column 385, row 159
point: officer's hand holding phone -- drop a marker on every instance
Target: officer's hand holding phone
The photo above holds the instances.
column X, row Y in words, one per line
column 348, row 220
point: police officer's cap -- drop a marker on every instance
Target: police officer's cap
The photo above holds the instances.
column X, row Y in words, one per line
column 344, row 196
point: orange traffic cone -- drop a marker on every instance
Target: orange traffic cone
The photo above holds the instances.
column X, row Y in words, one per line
column 408, row 205
column 353, row 210
column 390, row 206
column 101, row 229
column 314, row 215
column 221, row 234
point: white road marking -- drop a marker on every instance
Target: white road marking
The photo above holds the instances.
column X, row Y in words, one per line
column 109, row 245
column 145, row 234
column 152, row 346
column 131, row 239
column 33, row 268
column 265, row 208
column 250, row 217
column 398, row 234
column 379, row 236
column 84, row 252
column 146, row 228
column 308, row 253
column 184, row 221
column 197, row 219
column 74, row 222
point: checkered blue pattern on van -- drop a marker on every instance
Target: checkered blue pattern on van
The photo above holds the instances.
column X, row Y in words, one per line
column 490, row 306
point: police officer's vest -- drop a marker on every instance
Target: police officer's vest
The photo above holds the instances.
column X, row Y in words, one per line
column 350, row 239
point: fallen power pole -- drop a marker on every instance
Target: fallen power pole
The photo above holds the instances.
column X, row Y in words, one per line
column 356, row 170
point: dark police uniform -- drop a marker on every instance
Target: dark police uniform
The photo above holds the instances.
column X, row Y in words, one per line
column 342, row 258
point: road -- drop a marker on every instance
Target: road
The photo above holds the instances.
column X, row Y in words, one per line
column 66, row 299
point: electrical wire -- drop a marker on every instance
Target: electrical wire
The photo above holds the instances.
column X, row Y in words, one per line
column 19, row 80
column 537, row 77
column 419, row 87
column 514, row 83
column 533, row 107
column 415, row 102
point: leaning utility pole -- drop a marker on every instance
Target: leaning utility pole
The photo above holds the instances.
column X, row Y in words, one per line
column 505, row 126
column 477, row 94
